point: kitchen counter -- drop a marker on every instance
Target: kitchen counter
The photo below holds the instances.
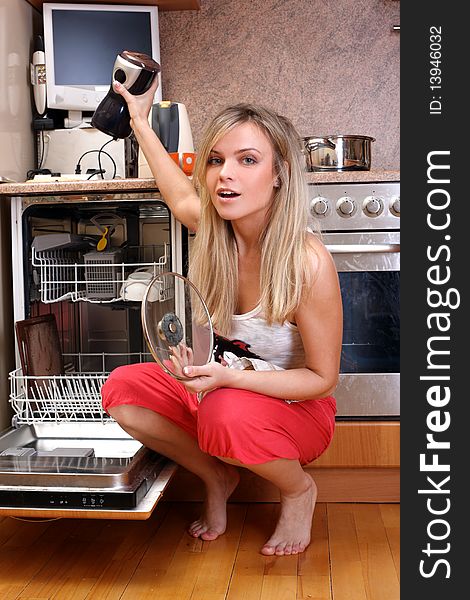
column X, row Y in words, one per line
column 31, row 188
column 352, row 177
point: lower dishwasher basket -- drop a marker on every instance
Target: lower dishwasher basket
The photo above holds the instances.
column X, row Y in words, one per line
column 65, row 457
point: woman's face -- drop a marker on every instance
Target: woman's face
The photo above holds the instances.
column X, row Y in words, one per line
column 240, row 175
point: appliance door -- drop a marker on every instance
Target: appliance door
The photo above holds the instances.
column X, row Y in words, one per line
column 368, row 265
column 80, row 470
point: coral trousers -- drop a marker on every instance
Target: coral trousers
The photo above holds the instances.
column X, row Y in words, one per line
column 238, row 424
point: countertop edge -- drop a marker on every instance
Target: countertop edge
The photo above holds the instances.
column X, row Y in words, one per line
column 377, row 176
column 30, row 188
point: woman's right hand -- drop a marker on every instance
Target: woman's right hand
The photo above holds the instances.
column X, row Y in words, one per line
column 139, row 106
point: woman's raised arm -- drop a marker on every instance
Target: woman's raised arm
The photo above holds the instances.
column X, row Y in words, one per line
column 175, row 187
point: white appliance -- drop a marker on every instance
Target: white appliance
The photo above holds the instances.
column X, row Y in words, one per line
column 170, row 121
column 81, row 42
column 62, row 149
column 62, row 453
column 16, row 156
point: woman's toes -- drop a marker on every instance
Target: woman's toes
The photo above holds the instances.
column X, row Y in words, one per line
column 280, row 549
column 268, row 550
column 209, row 535
column 201, row 529
column 196, row 528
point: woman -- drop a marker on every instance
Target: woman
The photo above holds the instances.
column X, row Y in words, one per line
column 269, row 284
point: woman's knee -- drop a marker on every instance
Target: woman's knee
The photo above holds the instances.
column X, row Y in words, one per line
column 128, row 384
column 118, row 381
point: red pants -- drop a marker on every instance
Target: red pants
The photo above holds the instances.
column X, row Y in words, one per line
column 250, row 427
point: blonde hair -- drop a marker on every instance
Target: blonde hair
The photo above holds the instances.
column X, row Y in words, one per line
column 285, row 267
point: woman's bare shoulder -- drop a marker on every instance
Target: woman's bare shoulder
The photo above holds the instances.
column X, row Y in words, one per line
column 319, row 256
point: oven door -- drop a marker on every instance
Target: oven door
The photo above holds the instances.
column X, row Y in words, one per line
column 368, row 265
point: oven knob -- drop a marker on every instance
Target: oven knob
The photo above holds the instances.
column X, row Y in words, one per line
column 345, row 207
column 319, row 206
column 373, row 206
column 395, row 206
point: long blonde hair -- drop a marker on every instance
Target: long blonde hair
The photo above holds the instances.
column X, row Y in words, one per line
column 285, row 268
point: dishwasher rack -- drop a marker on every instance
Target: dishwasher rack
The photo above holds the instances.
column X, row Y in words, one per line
column 95, row 277
column 74, row 396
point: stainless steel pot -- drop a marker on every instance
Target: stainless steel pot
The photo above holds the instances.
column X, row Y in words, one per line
column 338, row 152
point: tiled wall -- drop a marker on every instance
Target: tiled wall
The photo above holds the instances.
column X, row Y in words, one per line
column 331, row 66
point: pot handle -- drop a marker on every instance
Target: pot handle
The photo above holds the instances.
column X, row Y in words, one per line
column 317, row 143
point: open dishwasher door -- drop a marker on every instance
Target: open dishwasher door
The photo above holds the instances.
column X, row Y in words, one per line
column 79, row 470
column 73, row 258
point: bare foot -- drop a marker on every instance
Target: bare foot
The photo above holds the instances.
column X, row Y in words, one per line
column 213, row 520
column 292, row 533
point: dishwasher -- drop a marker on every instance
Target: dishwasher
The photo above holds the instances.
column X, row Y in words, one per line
column 72, row 256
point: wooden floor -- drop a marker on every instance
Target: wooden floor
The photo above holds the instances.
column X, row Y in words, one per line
column 354, row 556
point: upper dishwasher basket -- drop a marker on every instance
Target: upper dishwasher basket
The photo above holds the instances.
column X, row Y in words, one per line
column 91, row 277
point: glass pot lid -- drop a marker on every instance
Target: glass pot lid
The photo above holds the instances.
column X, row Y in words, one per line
column 176, row 324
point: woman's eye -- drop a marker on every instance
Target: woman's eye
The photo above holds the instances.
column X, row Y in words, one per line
column 248, row 160
column 213, row 160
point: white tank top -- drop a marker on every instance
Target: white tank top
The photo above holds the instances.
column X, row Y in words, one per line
column 280, row 345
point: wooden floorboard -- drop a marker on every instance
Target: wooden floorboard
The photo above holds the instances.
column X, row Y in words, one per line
column 391, row 520
column 346, row 567
column 314, row 564
column 378, row 568
column 354, row 555
column 249, row 567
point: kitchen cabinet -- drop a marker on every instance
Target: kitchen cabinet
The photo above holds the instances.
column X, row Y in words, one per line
column 162, row 4
column 363, row 444
column 362, row 464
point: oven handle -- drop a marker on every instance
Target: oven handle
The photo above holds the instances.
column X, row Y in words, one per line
column 362, row 248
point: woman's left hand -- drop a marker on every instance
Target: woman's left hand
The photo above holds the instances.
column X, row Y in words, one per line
column 206, row 378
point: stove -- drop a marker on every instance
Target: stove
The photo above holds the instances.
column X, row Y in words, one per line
column 360, row 224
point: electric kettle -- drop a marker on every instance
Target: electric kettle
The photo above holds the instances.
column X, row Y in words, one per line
column 170, row 122
column 136, row 72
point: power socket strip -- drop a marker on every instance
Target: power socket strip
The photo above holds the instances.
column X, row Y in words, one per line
column 64, row 177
